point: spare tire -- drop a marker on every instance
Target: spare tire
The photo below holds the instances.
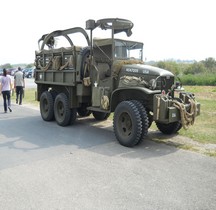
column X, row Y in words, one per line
column 85, row 53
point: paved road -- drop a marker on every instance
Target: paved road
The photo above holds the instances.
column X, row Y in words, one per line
column 46, row 167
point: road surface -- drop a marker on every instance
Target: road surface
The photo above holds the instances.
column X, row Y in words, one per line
column 44, row 167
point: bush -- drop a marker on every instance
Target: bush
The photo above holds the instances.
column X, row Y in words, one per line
column 195, row 68
column 170, row 66
column 199, row 79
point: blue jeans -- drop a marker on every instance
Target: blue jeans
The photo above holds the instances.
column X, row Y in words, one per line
column 7, row 99
column 19, row 94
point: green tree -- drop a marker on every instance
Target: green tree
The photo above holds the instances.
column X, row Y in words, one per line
column 210, row 64
column 196, row 68
column 170, row 66
column 6, row 65
column 30, row 65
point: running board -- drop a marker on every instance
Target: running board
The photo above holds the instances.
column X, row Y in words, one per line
column 97, row 109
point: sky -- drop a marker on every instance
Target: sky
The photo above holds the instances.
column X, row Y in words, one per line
column 169, row 29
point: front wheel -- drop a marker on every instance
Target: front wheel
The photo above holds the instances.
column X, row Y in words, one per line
column 144, row 119
column 127, row 124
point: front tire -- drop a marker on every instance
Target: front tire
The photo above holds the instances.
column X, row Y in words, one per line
column 62, row 111
column 144, row 119
column 127, row 124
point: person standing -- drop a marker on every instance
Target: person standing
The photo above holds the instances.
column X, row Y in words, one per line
column 5, row 89
column 19, row 85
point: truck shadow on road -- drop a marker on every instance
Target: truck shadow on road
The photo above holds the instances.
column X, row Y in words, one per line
column 30, row 138
column 150, row 147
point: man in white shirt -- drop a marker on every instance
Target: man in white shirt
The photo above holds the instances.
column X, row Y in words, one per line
column 19, row 84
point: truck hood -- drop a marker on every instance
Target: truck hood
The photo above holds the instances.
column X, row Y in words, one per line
column 141, row 69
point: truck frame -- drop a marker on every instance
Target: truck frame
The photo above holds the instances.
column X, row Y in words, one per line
column 108, row 75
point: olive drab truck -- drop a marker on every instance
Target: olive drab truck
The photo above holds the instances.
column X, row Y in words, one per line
column 108, row 75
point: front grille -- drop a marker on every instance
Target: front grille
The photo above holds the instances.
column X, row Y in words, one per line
column 166, row 83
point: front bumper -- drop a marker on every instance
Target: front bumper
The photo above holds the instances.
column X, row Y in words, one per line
column 167, row 110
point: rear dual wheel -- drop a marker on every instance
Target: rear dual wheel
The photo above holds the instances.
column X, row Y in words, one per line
column 63, row 114
column 47, row 106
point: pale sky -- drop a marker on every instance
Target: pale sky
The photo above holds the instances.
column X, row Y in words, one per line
column 178, row 29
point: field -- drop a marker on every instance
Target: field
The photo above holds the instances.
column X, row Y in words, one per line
column 204, row 129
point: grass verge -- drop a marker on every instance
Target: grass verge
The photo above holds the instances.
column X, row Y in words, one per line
column 29, row 97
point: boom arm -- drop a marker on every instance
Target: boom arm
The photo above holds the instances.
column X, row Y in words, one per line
column 47, row 37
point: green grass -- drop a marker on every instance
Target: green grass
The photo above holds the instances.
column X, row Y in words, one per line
column 199, row 79
column 204, row 129
column 29, row 97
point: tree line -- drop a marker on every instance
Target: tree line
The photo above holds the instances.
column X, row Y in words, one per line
column 10, row 66
column 194, row 73
column 202, row 67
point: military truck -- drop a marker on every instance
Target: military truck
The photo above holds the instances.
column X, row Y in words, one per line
column 108, row 75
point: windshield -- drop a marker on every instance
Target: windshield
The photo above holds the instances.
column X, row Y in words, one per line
column 128, row 50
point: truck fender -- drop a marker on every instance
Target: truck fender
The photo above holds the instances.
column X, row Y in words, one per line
column 132, row 93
